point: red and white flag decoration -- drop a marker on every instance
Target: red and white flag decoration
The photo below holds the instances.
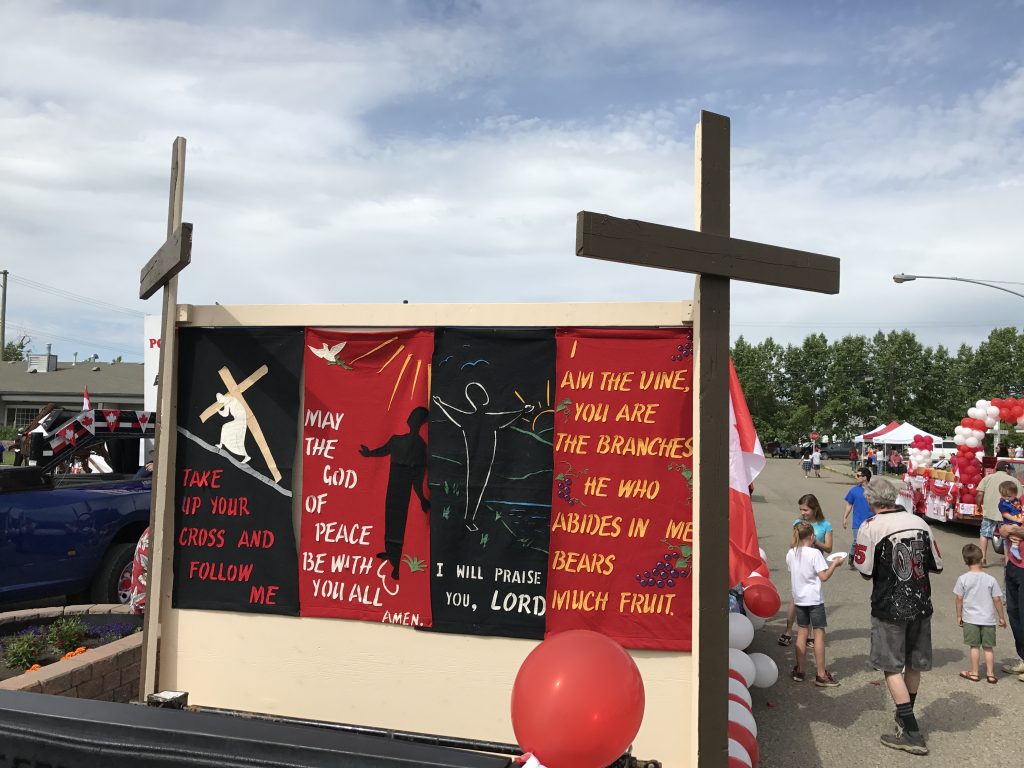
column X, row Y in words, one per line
column 86, row 402
column 746, row 460
column 111, row 417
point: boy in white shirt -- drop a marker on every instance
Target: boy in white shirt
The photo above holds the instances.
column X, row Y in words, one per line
column 978, row 603
column 807, row 571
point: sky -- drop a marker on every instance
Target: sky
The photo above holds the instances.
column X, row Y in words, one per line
column 439, row 150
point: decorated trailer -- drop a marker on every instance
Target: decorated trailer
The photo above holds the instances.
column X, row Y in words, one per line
column 422, row 519
column 951, row 494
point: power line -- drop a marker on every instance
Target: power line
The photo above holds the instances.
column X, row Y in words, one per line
column 53, row 291
column 25, row 330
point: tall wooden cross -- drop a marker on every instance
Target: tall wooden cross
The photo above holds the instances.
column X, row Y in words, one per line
column 162, row 272
column 716, row 258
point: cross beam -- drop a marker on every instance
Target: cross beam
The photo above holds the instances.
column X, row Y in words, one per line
column 599, row 236
column 715, row 258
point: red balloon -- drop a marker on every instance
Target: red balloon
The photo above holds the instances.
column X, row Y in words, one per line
column 760, row 596
column 577, row 701
column 965, row 422
column 735, row 762
column 746, row 740
column 997, row 402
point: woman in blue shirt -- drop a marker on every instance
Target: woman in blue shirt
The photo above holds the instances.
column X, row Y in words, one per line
column 810, row 512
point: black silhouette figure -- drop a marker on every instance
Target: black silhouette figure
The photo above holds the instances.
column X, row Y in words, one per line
column 408, row 454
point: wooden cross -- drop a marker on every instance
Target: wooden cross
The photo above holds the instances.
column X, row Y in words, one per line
column 235, row 390
column 162, row 271
column 716, row 258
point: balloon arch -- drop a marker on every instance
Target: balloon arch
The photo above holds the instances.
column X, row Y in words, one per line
column 969, row 437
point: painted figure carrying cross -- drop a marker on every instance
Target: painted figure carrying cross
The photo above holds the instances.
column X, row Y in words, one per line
column 715, row 258
column 231, row 403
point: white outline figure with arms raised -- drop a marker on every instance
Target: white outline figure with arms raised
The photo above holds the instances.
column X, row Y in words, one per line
column 480, row 430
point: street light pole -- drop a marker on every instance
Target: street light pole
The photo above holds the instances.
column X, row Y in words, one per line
column 3, row 315
column 903, row 278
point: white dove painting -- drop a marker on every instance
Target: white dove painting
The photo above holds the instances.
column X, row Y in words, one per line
column 330, row 354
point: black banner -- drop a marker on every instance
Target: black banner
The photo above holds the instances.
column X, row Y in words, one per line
column 238, row 410
column 490, row 443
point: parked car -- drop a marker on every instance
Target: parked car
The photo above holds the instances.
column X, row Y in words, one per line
column 943, row 450
column 839, row 451
column 71, row 534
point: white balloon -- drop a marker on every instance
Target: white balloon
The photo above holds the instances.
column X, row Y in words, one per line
column 983, row 404
column 959, row 429
column 741, row 663
column 971, row 442
column 991, row 422
column 993, row 411
column 757, row 621
column 739, row 690
column 741, row 716
column 959, row 439
column 972, row 413
column 926, row 454
column 741, row 631
column 737, row 751
column 766, row 671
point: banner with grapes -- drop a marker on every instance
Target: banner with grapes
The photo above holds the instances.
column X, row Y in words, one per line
column 621, row 519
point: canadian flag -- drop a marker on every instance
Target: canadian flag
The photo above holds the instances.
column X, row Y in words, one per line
column 746, row 460
column 86, row 402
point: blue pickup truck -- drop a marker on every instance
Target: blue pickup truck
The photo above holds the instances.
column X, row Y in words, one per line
column 72, row 534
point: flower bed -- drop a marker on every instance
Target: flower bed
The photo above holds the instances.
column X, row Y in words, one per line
column 84, row 651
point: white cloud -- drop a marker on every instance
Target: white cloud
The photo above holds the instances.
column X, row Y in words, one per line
column 298, row 194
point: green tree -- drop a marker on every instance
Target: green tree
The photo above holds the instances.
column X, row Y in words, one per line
column 898, row 365
column 758, row 369
column 806, row 371
column 999, row 363
column 935, row 406
column 848, row 401
column 15, row 350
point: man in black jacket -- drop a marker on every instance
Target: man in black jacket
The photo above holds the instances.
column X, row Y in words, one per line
column 896, row 551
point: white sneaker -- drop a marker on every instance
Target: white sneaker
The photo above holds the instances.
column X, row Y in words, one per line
column 1014, row 669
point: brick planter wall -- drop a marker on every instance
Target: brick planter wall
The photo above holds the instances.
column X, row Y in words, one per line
column 108, row 673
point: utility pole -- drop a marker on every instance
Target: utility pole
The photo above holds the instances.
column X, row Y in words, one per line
column 3, row 315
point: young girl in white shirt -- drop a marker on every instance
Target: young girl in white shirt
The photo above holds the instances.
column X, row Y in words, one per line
column 810, row 512
column 807, row 571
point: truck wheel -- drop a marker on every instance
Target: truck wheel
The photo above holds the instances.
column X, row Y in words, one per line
column 113, row 580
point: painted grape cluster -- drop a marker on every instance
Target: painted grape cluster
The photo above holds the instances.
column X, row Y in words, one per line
column 563, row 482
column 683, row 350
column 669, row 569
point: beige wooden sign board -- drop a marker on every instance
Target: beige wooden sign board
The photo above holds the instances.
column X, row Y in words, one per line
column 390, row 677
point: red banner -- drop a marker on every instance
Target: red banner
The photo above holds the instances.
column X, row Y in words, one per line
column 621, row 519
column 365, row 538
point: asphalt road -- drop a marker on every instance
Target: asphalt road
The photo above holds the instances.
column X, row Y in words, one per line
column 799, row 724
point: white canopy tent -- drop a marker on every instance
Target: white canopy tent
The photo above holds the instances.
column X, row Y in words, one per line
column 903, row 434
column 879, row 428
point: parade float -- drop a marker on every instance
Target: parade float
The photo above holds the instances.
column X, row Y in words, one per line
column 949, row 494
